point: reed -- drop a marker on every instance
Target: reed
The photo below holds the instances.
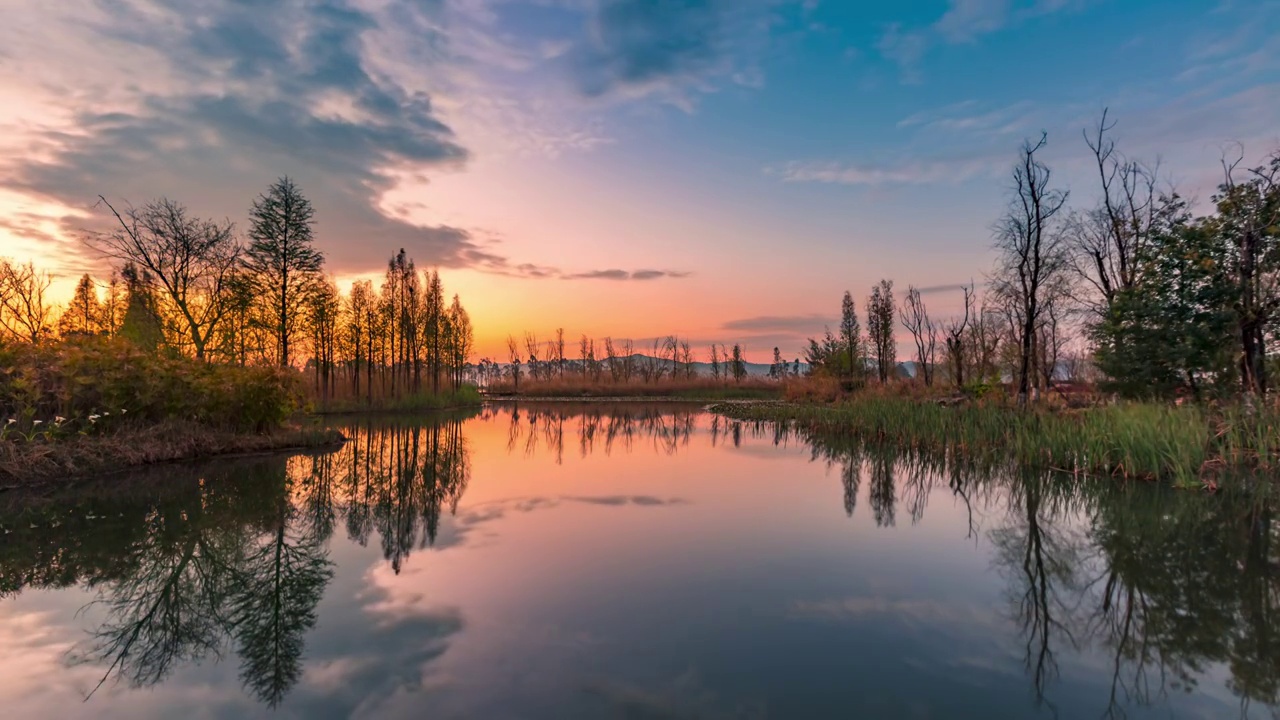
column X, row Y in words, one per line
column 696, row 388
column 1188, row 445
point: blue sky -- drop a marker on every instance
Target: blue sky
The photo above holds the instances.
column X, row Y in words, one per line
column 722, row 169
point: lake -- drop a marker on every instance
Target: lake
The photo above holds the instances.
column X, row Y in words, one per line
column 631, row 561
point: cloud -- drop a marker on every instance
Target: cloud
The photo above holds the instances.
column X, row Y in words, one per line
column 674, row 48
column 911, row 172
column 964, row 21
column 615, row 274
column 780, row 323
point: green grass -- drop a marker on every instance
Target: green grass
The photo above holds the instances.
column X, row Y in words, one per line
column 1186, row 445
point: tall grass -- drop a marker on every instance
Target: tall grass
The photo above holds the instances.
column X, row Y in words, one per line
column 1188, row 445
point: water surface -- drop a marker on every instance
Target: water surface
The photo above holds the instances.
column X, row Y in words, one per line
column 637, row 561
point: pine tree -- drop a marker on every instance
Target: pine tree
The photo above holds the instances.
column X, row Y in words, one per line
column 282, row 259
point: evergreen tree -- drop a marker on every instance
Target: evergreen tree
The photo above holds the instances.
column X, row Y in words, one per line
column 282, row 259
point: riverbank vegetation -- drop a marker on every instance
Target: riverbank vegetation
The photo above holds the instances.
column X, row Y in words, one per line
column 1129, row 337
column 203, row 333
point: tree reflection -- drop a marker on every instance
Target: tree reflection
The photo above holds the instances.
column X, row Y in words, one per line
column 1173, row 586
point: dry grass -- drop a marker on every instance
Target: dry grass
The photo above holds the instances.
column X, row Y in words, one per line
column 699, row 388
column 31, row 463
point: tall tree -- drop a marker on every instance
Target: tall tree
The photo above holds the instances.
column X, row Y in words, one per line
column 955, row 339
column 915, row 318
column 83, row 315
column 1032, row 255
column 851, row 339
column 1249, row 225
column 140, row 324
column 880, row 321
column 282, row 259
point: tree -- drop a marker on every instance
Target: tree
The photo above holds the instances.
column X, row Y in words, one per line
column 141, row 322
column 851, row 339
column 1248, row 224
column 737, row 363
column 83, row 315
column 955, row 339
column 191, row 260
column 24, row 314
column 1029, row 273
column 779, row 367
column 715, row 362
column 513, row 356
column 1172, row 331
column 880, row 320
column 915, row 318
column 282, row 259
column 1108, row 243
column 461, row 340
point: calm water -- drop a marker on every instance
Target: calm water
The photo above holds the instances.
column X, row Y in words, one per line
column 631, row 562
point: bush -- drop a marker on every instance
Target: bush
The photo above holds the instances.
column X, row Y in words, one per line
column 113, row 381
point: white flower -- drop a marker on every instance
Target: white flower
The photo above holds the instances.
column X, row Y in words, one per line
column 37, row 422
column 11, row 421
column 59, row 420
column 123, row 411
column 94, row 418
column 104, row 412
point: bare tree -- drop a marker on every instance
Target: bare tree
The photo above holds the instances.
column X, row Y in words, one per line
column 1032, row 254
column 915, row 318
column 1108, row 242
column 25, row 316
column 956, row 339
column 191, row 259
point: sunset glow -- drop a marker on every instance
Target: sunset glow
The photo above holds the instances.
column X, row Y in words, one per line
column 718, row 170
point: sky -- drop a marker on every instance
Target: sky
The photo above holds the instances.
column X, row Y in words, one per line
column 718, row 169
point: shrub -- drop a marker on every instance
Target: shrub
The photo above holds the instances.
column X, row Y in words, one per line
column 112, row 379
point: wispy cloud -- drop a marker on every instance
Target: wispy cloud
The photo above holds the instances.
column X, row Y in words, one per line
column 907, row 172
column 780, row 323
column 964, row 21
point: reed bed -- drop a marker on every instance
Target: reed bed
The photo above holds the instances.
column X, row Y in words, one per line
column 697, row 388
column 1188, row 445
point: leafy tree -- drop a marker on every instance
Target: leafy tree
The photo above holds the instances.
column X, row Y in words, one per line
column 737, row 364
column 1172, row 331
column 282, row 259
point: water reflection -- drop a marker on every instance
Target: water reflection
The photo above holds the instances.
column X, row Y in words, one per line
column 1171, row 593
column 1166, row 583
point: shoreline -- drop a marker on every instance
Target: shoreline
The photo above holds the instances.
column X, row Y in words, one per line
column 27, row 466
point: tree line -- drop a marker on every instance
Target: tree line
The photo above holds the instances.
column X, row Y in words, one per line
column 667, row 359
column 1134, row 290
column 190, row 285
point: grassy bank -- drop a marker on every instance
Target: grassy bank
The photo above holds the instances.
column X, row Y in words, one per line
column 1189, row 445
column 94, row 455
column 700, row 388
column 95, row 405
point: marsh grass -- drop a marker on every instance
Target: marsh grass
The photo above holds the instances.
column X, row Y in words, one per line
column 698, row 388
column 1188, row 445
